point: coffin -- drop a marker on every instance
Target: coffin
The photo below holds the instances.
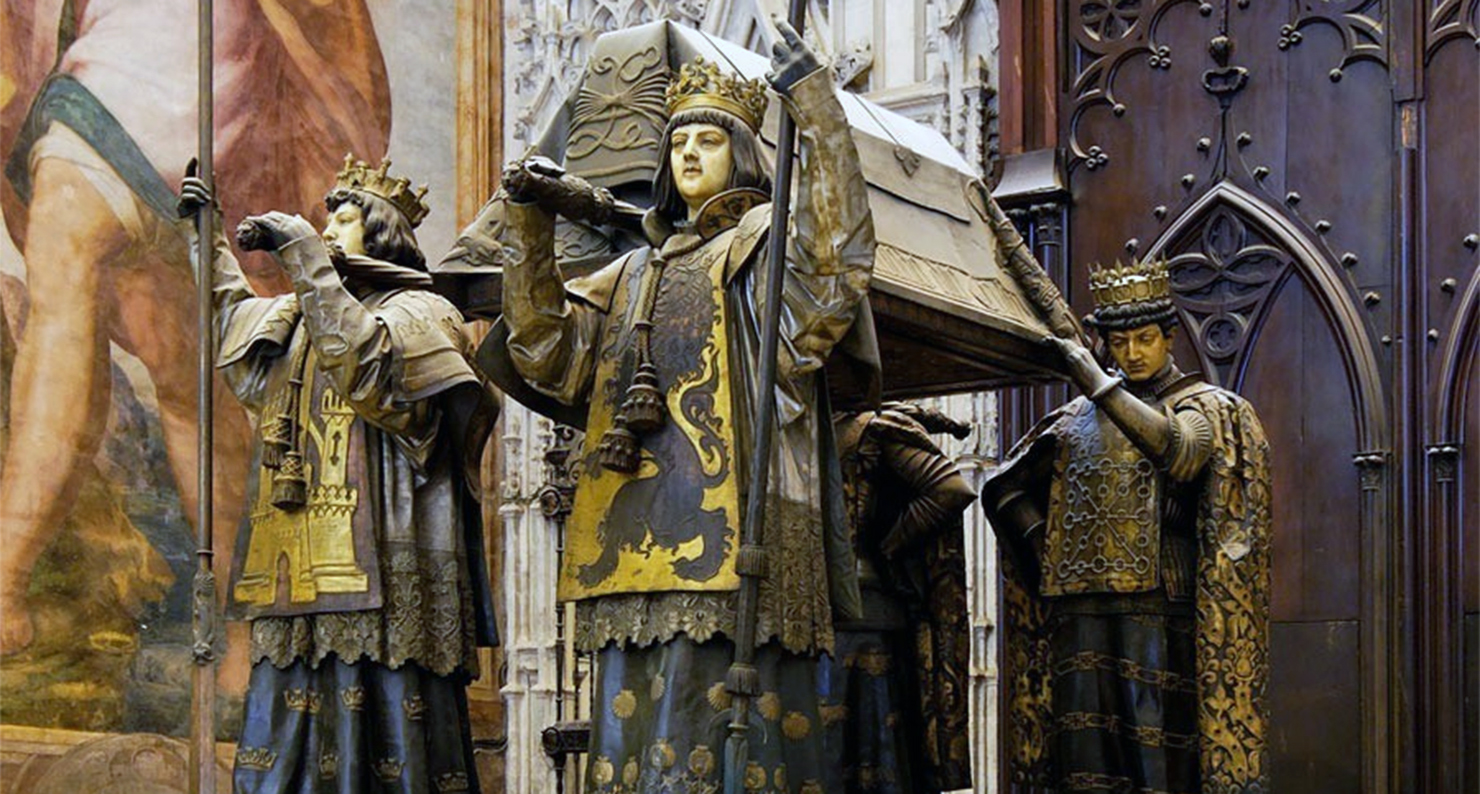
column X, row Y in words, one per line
column 948, row 316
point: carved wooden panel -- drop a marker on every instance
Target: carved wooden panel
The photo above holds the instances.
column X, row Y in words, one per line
column 1313, row 761
column 1296, row 382
column 1449, row 291
column 1109, row 38
column 1469, row 474
column 1224, row 273
column 1360, row 23
column 1451, row 19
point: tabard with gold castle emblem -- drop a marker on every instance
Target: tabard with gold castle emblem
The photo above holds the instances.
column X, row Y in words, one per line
column 318, row 555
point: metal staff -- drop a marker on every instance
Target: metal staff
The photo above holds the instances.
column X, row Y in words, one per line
column 203, row 611
column 743, row 680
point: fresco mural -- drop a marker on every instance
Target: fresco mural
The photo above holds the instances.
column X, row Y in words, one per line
column 97, row 317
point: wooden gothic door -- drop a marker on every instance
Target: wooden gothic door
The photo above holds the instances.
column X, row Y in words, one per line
column 1311, row 170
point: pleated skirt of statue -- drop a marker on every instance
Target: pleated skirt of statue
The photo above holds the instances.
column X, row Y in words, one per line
column 1124, row 696
column 660, row 713
column 354, row 729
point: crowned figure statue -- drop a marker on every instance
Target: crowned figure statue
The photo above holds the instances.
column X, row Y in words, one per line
column 659, row 354
column 1136, row 525
column 359, row 564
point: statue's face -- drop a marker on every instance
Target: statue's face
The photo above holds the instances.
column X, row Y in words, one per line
column 345, row 229
column 701, row 160
column 1141, row 352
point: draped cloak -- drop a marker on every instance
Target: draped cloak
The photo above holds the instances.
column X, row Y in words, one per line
column 571, row 343
column 899, row 674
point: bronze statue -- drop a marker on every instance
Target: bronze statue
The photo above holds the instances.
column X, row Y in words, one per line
column 359, row 565
column 657, row 353
column 896, row 686
column 1135, row 521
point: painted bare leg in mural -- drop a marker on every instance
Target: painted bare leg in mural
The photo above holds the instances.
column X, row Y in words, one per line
column 104, row 263
column 90, row 281
column 141, row 296
column 59, row 387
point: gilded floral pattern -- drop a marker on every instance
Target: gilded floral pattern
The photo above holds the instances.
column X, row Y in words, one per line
column 427, row 618
column 719, row 698
column 768, row 705
column 796, row 726
column 1233, row 601
column 602, row 771
column 661, row 755
column 701, row 761
column 798, row 616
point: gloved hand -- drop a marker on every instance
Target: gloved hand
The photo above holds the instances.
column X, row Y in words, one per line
column 543, row 181
column 272, row 231
column 931, row 419
column 1084, row 370
column 194, row 192
column 530, row 178
column 791, row 58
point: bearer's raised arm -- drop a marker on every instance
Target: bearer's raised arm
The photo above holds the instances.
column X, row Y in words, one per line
column 552, row 338
column 830, row 247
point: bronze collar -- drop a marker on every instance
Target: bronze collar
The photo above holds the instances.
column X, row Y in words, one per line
column 1160, row 384
column 723, row 211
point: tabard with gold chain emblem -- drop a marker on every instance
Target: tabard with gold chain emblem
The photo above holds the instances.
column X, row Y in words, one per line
column 1103, row 533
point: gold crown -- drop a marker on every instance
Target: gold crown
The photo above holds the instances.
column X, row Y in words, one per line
column 1123, row 285
column 702, row 85
column 358, row 175
column 257, row 758
column 303, row 700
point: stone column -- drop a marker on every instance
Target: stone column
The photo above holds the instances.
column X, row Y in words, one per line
column 528, row 582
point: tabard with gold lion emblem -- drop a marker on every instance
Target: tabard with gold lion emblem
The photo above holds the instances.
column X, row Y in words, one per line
column 674, row 524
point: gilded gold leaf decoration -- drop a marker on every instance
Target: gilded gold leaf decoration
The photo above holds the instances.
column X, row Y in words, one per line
column 832, row 715
column 661, row 755
column 701, row 761
column 718, row 697
column 796, row 726
column 624, row 704
column 769, row 706
column 602, row 770
column 755, row 777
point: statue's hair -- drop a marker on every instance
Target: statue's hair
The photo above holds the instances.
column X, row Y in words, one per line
column 388, row 235
column 1126, row 316
column 749, row 170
